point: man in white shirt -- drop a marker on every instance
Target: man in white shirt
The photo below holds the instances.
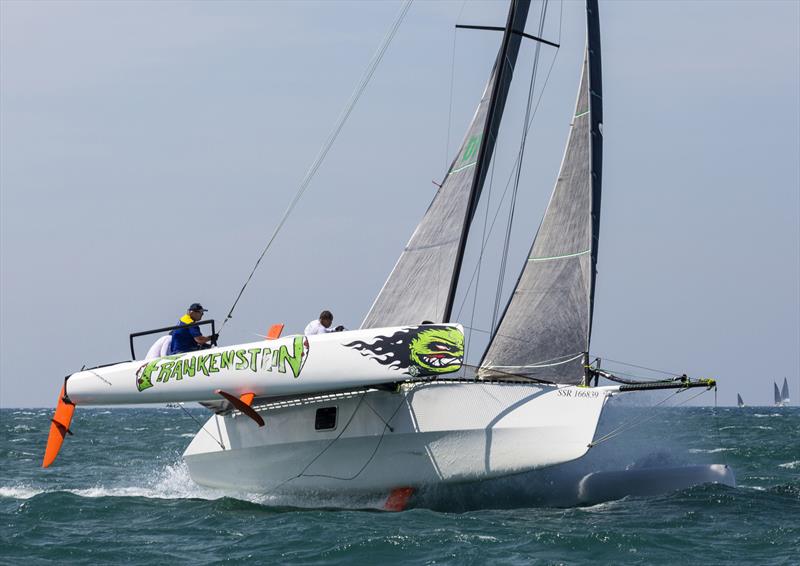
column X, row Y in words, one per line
column 322, row 325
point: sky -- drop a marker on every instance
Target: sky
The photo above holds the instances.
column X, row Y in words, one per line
column 148, row 149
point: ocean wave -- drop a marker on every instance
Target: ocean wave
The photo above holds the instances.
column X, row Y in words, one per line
column 790, row 465
column 708, row 451
column 174, row 482
column 19, row 492
column 762, row 415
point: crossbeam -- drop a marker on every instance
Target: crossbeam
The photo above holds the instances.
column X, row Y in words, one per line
column 522, row 33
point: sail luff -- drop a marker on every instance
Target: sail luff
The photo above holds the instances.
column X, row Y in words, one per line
column 545, row 329
column 422, row 282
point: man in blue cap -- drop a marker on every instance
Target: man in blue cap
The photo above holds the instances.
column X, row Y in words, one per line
column 189, row 338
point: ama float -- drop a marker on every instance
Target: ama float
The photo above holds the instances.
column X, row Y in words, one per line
column 393, row 406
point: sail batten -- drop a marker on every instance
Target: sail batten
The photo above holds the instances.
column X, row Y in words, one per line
column 545, row 330
column 421, row 285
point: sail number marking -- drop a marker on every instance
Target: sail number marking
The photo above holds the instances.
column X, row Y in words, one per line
column 578, row 393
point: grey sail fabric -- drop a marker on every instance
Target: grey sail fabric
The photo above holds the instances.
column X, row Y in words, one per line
column 785, row 391
column 544, row 332
column 777, row 394
column 418, row 287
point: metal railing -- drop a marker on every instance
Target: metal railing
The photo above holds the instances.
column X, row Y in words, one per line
column 169, row 328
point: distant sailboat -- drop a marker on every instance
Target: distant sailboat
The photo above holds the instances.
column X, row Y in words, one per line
column 739, row 401
column 782, row 396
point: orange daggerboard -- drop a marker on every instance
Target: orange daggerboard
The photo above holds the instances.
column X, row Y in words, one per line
column 59, row 428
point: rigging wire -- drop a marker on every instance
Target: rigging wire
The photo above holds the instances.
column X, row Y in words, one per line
column 515, row 190
column 345, row 114
column 452, row 81
column 665, row 372
column 631, row 423
column 480, row 257
column 505, row 191
column 201, row 425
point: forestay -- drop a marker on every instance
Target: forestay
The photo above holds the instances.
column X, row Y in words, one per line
column 418, row 287
column 545, row 331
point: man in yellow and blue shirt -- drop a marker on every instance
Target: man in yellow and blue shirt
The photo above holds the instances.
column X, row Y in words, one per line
column 189, row 338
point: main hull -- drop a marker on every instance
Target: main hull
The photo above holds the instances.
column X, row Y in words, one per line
column 422, row 434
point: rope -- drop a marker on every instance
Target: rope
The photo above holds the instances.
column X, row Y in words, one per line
column 452, row 80
column 338, row 436
column 665, row 372
column 201, row 425
column 376, row 59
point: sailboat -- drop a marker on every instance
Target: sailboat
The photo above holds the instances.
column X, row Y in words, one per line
column 739, row 402
column 392, row 406
column 781, row 396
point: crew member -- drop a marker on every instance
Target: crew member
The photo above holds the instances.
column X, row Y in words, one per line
column 189, row 338
column 322, row 325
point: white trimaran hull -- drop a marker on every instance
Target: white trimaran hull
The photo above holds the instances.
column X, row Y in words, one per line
column 424, row 434
column 335, row 420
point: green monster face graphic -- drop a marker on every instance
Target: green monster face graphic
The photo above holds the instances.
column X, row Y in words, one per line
column 438, row 350
column 418, row 350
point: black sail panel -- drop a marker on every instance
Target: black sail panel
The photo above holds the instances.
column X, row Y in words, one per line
column 545, row 330
column 419, row 285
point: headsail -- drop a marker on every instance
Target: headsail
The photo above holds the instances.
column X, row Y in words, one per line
column 785, row 392
column 420, row 285
column 545, row 330
column 776, row 394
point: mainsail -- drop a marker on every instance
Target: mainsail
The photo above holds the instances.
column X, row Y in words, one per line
column 545, row 331
column 421, row 285
column 739, row 401
column 776, row 394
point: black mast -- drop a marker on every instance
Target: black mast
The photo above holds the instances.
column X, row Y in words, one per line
column 596, row 114
column 506, row 59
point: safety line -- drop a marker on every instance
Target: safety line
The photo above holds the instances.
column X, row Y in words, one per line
column 376, row 59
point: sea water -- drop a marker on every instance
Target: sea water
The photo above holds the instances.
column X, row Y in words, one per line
column 120, row 493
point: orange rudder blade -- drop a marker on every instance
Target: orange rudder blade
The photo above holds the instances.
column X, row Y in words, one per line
column 398, row 499
column 59, row 428
column 274, row 331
